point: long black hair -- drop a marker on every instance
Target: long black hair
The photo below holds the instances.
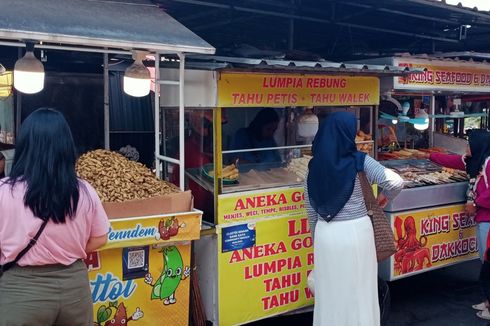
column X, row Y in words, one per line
column 45, row 159
column 263, row 118
column 479, row 141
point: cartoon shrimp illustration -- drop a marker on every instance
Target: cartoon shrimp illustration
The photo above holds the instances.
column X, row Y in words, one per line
column 173, row 273
column 119, row 315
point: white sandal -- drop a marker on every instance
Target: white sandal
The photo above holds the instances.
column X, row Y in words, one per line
column 481, row 306
column 484, row 314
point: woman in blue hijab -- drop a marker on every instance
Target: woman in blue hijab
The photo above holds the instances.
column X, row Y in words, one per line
column 345, row 276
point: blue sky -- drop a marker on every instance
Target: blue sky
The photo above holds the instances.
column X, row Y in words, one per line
column 481, row 4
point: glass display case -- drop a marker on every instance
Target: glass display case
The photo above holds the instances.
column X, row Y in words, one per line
column 454, row 116
column 258, row 148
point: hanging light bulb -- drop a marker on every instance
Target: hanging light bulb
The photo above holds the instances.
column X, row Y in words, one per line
column 394, row 121
column 29, row 72
column 307, row 123
column 422, row 115
column 137, row 78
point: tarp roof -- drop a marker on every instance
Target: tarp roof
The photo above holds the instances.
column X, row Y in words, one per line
column 335, row 29
column 220, row 63
column 102, row 24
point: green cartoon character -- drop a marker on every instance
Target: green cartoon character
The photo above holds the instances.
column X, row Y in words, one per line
column 168, row 282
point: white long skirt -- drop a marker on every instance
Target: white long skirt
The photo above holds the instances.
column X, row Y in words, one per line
column 345, row 274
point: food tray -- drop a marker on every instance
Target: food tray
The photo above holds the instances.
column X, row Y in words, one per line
column 428, row 196
column 425, row 165
column 209, row 167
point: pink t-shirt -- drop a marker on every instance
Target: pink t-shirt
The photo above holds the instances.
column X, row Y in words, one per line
column 59, row 243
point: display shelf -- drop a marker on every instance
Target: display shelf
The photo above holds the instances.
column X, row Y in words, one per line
column 245, row 185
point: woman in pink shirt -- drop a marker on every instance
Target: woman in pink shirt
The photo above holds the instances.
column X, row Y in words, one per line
column 476, row 164
column 48, row 285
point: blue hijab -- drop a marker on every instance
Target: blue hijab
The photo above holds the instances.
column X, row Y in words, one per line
column 334, row 166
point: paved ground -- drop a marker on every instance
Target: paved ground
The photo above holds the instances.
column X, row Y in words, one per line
column 438, row 298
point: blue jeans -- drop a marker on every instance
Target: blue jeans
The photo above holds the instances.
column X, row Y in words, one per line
column 482, row 229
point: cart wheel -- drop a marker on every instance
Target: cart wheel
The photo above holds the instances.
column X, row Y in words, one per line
column 384, row 298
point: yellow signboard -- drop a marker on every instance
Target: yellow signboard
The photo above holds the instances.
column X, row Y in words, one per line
column 279, row 90
column 140, row 285
column 268, row 275
column 234, row 208
column 432, row 238
column 458, row 76
column 126, row 232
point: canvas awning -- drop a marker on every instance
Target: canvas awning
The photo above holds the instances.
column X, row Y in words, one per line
column 100, row 24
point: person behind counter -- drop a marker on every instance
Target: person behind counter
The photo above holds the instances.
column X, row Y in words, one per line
column 198, row 153
column 48, row 284
column 259, row 134
column 476, row 164
column 346, row 269
column 6, row 157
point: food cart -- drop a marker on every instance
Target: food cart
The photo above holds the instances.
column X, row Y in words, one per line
column 143, row 274
column 429, row 215
column 256, row 250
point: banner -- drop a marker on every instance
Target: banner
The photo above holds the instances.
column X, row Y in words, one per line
column 244, row 206
column 279, row 90
column 444, row 75
column 267, row 274
column 431, row 238
column 126, row 232
column 140, row 285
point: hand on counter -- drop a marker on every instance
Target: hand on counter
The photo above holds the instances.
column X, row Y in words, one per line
column 382, row 200
column 470, row 209
column 422, row 155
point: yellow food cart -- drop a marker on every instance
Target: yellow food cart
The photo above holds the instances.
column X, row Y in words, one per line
column 431, row 227
column 256, row 250
column 143, row 274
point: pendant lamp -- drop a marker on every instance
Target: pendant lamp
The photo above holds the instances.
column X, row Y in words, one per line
column 137, row 78
column 29, row 72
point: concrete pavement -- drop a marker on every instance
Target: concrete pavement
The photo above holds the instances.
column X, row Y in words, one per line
column 438, row 298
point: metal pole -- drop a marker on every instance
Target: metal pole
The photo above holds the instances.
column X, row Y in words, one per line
column 218, row 159
column 181, row 121
column 65, row 48
column 291, row 31
column 375, row 131
column 18, row 115
column 157, row 116
column 107, row 140
column 432, row 120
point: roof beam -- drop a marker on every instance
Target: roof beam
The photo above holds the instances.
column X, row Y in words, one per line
column 199, row 15
column 399, row 12
column 313, row 19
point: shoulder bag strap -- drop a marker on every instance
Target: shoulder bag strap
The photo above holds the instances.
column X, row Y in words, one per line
column 367, row 192
column 21, row 254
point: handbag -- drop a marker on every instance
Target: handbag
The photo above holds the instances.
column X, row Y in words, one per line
column 384, row 239
column 32, row 242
